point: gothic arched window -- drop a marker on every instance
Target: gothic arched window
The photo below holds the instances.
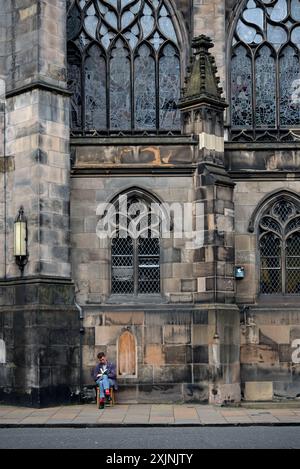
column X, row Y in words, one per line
column 135, row 248
column 279, row 245
column 123, row 66
column 265, row 71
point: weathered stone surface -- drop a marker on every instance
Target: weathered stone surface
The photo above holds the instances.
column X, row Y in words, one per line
column 259, row 354
column 154, row 355
column 258, row 391
column 174, row 334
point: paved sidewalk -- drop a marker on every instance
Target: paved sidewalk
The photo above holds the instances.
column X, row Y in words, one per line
column 88, row 415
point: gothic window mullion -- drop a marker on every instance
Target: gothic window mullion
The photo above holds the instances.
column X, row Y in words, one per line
column 157, row 92
column 253, row 67
column 107, row 91
column 136, row 267
column 132, row 100
column 83, row 104
column 277, row 94
column 284, row 265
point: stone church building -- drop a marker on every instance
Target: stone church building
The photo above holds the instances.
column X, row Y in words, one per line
column 150, row 199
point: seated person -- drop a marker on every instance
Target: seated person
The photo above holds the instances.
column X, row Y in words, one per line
column 105, row 376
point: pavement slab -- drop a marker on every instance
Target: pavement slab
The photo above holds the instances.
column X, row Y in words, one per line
column 147, row 414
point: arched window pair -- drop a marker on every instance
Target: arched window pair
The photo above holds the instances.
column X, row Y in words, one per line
column 279, row 247
column 123, row 66
column 265, row 71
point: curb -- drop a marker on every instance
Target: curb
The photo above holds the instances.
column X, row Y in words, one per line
column 148, row 425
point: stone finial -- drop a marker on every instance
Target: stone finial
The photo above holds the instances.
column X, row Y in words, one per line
column 202, row 83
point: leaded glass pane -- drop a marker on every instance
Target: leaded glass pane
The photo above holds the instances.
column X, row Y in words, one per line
column 289, row 82
column 74, row 85
column 276, row 35
column 91, row 21
column 74, row 22
column 293, row 264
column 122, row 266
column 295, row 36
column 279, row 11
column 117, row 30
column 265, row 110
column 126, row 19
column 148, row 265
column 144, row 90
column 241, row 92
column 169, row 87
column 95, row 90
column 270, row 255
column 246, row 33
column 147, row 21
column 166, row 24
column 120, row 90
column 295, row 10
column 283, row 210
column 254, row 16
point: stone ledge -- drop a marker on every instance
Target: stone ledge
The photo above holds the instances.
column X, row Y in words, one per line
column 37, row 291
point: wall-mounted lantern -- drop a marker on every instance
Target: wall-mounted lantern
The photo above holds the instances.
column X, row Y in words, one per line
column 20, row 240
column 239, row 272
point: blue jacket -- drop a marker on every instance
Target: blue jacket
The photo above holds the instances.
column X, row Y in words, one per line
column 111, row 373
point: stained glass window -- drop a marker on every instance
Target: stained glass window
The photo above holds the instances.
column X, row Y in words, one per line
column 279, row 242
column 124, row 66
column 265, row 70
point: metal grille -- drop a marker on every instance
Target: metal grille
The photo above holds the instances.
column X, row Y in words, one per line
column 122, row 266
column 135, row 266
column 270, row 250
column 280, row 249
column 149, row 270
column 293, row 264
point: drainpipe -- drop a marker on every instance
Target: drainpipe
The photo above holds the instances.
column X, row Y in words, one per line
column 81, row 332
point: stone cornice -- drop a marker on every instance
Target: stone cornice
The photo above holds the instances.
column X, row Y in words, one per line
column 38, row 85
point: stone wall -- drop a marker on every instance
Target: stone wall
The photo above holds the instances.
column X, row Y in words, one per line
column 91, row 256
column 248, row 196
column 269, row 329
column 176, row 352
column 270, row 353
column 40, row 325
